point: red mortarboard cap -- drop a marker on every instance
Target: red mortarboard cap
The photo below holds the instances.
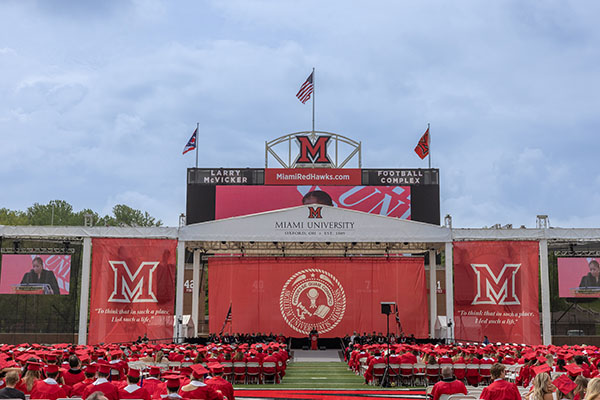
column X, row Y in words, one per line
column 104, row 368
column 564, row 384
column 216, row 367
column 154, row 370
column 51, row 357
column 173, row 381
column 541, row 359
column 573, row 369
column 51, row 369
column 198, row 371
column 34, row 366
column 542, row 368
column 185, row 371
column 134, row 373
column 91, row 369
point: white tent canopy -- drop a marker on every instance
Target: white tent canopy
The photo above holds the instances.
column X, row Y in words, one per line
column 327, row 224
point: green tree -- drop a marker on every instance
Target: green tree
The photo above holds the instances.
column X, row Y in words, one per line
column 10, row 217
column 127, row 216
column 60, row 213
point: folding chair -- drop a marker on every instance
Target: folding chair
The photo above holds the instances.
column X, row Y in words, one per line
column 378, row 372
column 460, row 371
column 269, row 372
column 394, row 374
column 485, row 375
column 419, row 374
column 228, row 371
column 406, row 374
column 432, row 373
column 252, row 372
column 239, row 372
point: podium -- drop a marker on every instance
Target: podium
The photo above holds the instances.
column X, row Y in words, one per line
column 32, row 288
column 313, row 341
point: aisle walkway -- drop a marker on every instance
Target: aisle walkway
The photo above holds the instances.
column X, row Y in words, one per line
column 318, row 356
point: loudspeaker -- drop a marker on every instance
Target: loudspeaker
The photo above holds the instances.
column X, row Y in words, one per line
column 386, row 307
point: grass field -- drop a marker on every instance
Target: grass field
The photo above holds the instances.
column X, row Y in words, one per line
column 316, row 375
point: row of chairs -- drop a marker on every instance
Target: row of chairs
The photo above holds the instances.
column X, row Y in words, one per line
column 251, row 372
column 421, row 374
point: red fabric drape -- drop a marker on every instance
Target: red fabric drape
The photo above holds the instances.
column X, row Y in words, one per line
column 335, row 295
column 132, row 289
column 496, row 291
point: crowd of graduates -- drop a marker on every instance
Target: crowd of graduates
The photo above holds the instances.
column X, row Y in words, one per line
column 138, row 371
column 568, row 369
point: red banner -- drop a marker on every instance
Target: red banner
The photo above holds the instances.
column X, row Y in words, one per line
column 496, row 291
column 336, row 295
column 133, row 289
column 313, row 176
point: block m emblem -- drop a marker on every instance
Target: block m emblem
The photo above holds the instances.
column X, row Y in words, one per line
column 492, row 289
column 313, row 153
column 133, row 287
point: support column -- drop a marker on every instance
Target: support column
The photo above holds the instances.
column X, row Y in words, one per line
column 180, row 288
column 196, row 290
column 545, row 280
column 449, row 265
column 432, row 293
column 84, row 293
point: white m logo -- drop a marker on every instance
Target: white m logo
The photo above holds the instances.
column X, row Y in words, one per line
column 492, row 289
column 133, row 288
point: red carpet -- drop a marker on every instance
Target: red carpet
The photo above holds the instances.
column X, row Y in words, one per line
column 329, row 394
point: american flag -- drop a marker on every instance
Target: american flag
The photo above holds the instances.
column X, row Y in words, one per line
column 306, row 89
column 191, row 144
column 227, row 320
column 398, row 323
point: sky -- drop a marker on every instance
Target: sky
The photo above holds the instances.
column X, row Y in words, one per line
column 100, row 97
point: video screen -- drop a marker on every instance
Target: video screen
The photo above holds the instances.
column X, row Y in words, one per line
column 391, row 201
column 578, row 277
column 35, row 274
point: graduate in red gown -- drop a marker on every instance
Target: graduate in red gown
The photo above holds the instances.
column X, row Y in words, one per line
column 132, row 390
column 500, row 389
column 48, row 388
column 197, row 389
column 90, row 377
column 102, row 384
column 218, row 383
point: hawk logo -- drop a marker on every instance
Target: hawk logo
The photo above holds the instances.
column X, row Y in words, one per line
column 315, row 212
column 133, row 287
column 313, row 153
column 492, row 289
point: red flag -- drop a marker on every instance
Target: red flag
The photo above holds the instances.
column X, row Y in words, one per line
column 422, row 148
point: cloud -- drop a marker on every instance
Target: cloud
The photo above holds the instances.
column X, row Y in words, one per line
column 102, row 96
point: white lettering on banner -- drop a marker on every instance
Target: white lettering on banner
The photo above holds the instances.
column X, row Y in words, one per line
column 225, row 179
column 225, row 172
column 385, row 201
column 403, row 177
column 298, row 176
column 492, row 289
column 133, row 287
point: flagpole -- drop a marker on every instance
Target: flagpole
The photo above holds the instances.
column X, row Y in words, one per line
column 313, row 101
column 429, row 145
column 197, row 128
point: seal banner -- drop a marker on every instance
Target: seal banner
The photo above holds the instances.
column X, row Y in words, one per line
column 301, row 301
column 335, row 296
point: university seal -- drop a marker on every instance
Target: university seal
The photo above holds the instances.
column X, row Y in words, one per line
column 312, row 298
